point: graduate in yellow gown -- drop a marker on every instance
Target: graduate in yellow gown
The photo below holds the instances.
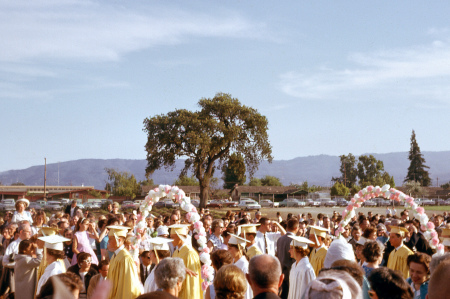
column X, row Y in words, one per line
column 398, row 257
column 317, row 235
column 122, row 269
column 248, row 232
column 192, row 285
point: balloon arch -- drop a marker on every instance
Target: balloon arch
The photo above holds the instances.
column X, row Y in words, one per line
column 178, row 196
column 392, row 194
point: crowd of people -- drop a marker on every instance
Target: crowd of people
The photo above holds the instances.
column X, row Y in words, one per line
column 79, row 254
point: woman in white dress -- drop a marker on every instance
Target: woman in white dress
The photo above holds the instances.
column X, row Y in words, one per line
column 20, row 214
column 159, row 250
column 236, row 246
column 302, row 273
column 55, row 251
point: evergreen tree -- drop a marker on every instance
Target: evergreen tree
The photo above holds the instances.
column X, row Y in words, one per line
column 417, row 169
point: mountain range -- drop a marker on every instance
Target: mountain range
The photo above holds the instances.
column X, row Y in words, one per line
column 317, row 170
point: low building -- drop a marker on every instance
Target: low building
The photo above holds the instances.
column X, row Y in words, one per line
column 34, row 193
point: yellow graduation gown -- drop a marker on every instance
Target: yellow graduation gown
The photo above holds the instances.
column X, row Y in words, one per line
column 123, row 276
column 397, row 260
column 192, row 286
column 317, row 258
column 253, row 251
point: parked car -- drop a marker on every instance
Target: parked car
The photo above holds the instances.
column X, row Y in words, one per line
column 327, row 202
column 127, row 204
column 369, row 203
column 166, row 203
column 34, row 205
column 381, row 202
column 7, row 204
column 268, row 203
column 292, row 202
column 53, row 206
column 311, row 203
column 195, row 202
column 439, row 201
column 229, row 203
column 249, row 204
column 65, row 201
column 92, row 205
column 214, row 204
column 427, row 202
column 341, row 202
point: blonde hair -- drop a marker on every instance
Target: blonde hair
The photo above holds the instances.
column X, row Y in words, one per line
column 230, row 283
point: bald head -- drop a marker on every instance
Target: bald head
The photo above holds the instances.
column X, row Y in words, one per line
column 264, row 270
column 439, row 287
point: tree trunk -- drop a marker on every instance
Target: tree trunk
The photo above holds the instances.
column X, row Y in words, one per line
column 204, row 192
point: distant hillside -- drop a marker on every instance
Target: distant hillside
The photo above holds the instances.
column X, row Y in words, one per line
column 316, row 170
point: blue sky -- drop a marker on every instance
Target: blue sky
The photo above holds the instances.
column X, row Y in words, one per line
column 77, row 78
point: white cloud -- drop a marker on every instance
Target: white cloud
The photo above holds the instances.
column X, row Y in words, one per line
column 103, row 32
column 420, row 72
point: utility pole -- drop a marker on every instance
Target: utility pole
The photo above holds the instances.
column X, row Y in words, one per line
column 45, row 179
column 437, row 181
column 345, row 175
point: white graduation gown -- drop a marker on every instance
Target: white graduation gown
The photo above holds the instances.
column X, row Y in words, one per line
column 150, row 282
column 242, row 264
column 54, row 268
column 300, row 276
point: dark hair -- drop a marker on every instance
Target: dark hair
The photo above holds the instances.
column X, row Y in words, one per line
column 221, row 257
column 24, row 245
column 102, row 263
column 81, row 220
column 302, row 251
column 355, row 227
column 389, row 284
column 58, row 254
column 263, row 220
column 71, row 280
column 292, row 224
column 372, row 251
column 112, row 220
column 82, row 256
column 101, row 223
column 369, row 231
column 418, row 258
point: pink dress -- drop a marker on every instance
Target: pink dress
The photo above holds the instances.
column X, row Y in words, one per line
column 84, row 246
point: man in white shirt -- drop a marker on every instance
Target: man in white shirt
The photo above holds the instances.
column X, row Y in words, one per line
column 13, row 249
column 265, row 239
column 24, row 234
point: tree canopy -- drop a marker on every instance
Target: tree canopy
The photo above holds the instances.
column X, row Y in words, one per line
column 207, row 138
column 339, row 189
column 417, row 168
column 122, row 183
column 368, row 171
column 268, row 180
column 184, row 180
column 234, row 171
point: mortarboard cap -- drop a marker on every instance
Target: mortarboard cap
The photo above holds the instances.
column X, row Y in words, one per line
column 361, row 241
column 298, row 241
column 54, row 242
column 118, row 230
column 159, row 243
column 48, row 231
column 179, row 229
column 399, row 230
column 235, row 240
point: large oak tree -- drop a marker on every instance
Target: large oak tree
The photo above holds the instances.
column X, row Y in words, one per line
column 207, row 138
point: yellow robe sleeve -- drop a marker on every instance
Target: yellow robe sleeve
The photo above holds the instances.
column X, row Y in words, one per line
column 397, row 260
column 317, row 259
column 192, row 286
column 253, row 251
column 123, row 276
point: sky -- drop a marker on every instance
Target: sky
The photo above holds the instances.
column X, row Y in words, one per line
column 77, row 78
